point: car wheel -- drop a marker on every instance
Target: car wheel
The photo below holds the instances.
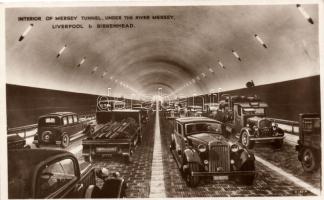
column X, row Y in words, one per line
column 172, row 145
column 192, row 181
column 277, row 144
column 92, row 192
column 247, row 179
column 46, row 137
column 139, row 139
column 245, row 140
column 128, row 159
column 309, row 161
column 65, row 141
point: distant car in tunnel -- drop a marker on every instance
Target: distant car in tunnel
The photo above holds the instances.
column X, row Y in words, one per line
column 60, row 128
column 309, row 143
column 47, row 174
column 194, row 111
column 201, row 149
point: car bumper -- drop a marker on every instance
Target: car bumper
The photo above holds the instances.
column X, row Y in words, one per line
column 222, row 173
column 267, row 138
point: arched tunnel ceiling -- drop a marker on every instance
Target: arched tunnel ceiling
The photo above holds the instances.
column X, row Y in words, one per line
column 163, row 54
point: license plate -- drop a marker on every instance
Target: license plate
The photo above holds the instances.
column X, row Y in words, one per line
column 220, row 178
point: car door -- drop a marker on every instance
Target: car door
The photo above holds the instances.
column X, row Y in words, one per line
column 59, row 179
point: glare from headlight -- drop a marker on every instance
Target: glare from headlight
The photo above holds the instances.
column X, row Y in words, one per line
column 202, row 148
column 234, row 148
column 275, row 125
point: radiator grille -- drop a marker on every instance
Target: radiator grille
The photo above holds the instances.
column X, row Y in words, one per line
column 219, row 156
column 265, row 132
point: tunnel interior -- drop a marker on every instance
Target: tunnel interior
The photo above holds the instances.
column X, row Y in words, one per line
column 193, row 51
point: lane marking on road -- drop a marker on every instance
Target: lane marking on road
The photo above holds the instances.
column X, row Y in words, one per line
column 289, row 176
column 157, row 187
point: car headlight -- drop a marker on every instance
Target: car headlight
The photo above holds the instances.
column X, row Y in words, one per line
column 234, row 148
column 202, row 148
column 255, row 128
column 273, row 124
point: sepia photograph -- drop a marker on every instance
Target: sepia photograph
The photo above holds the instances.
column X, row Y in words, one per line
column 161, row 100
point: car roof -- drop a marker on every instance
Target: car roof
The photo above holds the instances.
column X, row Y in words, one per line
column 59, row 114
column 195, row 119
column 23, row 162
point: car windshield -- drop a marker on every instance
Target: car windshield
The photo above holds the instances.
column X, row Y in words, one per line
column 252, row 111
column 50, row 120
column 203, row 127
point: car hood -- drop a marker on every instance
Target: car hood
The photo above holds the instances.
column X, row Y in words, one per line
column 208, row 138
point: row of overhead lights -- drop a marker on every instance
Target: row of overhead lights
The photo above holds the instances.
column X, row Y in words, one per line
column 237, row 56
column 82, row 61
column 190, row 82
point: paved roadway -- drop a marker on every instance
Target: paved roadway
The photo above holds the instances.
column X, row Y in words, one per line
column 143, row 173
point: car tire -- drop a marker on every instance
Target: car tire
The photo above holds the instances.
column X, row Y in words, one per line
column 172, row 145
column 247, row 179
column 139, row 141
column 92, row 191
column 192, row 181
column 127, row 159
column 65, row 141
column 46, row 137
column 277, row 144
column 245, row 140
column 309, row 160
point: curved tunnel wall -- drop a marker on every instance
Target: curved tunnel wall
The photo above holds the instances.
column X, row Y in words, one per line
column 26, row 104
column 286, row 100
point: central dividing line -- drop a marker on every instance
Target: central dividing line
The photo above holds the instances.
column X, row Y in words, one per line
column 157, row 188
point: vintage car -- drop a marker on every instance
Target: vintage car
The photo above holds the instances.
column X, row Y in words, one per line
column 210, row 110
column 309, row 143
column 171, row 113
column 45, row 174
column 245, row 117
column 60, row 128
column 16, row 142
column 194, row 111
column 201, row 149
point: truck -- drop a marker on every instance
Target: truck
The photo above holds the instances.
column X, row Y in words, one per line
column 245, row 117
column 117, row 132
column 309, row 143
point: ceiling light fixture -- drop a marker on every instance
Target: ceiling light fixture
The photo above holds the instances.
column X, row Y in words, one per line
column 81, row 62
column 25, row 32
column 236, row 55
column 61, row 51
column 260, row 40
column 304, row 13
